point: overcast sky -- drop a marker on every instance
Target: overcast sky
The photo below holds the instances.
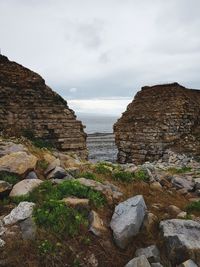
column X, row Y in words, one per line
column 103, row 49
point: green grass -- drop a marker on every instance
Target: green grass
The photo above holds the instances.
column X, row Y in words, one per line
column 179, row 170
column 88, row 175
column 54, row 215
column 123, row 176
column 193, row 206
column 57, row 218
column 102, row 168
column 141, row 175
column 9, row 177
column 46, row 247
column 46, row 192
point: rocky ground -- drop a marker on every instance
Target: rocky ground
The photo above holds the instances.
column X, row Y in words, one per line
column 56, row 210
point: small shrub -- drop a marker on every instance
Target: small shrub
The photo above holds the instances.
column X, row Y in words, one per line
column 173, row 170
column 123, row 176
column 9, row 177
column 56, row 217
column 101, row 168
column 194, row 206
column 141, row 175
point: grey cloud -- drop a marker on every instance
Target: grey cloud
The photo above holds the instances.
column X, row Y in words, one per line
column 104, row 48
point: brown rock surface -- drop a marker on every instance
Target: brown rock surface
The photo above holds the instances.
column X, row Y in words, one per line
column 160, row 117
column 28, row 104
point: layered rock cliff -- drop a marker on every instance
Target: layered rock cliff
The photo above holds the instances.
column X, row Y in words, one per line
column 160, row 117
column 28, row 104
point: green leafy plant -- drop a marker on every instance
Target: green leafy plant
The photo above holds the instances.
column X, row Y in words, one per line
column 56, row 217
column 46, row 247
column 9, row 177
column 123, row 176
column 88, row 175
column 141, row 175
column 193, row 206
column 102, row 168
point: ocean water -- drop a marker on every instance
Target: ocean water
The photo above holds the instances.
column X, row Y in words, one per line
column 96, row 123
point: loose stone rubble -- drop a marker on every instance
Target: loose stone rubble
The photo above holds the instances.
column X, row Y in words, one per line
column 182, row 240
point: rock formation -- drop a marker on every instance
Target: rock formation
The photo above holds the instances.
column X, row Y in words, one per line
column 160, row 117
column 28, row 104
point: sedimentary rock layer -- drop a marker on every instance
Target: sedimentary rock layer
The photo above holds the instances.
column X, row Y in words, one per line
column 160, row 117
column 28, row 104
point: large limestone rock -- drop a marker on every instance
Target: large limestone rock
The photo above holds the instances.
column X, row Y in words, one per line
column 18, row 162
column 24, row 187
column 23, row 211
column 138, row 262
column 29, row 105
column 182, row 240
column 127, row 220
column 149, row 126
column 8, row 147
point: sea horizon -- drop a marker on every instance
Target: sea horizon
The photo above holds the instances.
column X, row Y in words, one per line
column 97, row 123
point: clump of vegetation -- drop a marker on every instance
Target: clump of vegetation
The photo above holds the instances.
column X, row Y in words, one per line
column 193, row 206
column 56, row 217
column 123, row 176
column 42, row 164
column 88, row 175
column 103, row 168
column 46, row 247
column 141, row 175
column 38, row 142
column 174, row 170
column 46, row 192
column 9, row 177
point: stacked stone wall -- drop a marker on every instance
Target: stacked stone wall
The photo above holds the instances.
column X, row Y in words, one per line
column 27, row 103
column 160, row 117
